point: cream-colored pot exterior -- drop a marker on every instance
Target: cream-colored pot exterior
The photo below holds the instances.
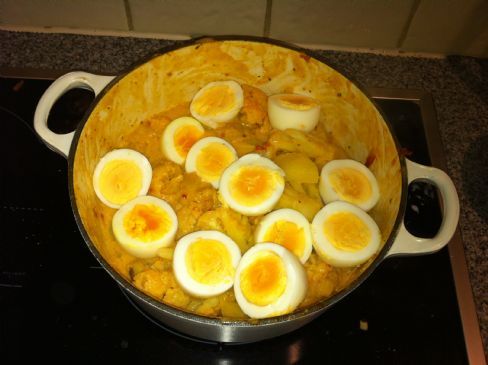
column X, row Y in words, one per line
column 163, row 81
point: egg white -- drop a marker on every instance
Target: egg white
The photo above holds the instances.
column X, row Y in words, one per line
column 334, row 255
column 191, row 159
column 135, row 246
column 282, row 116
column 287, row 215
column 168, row 138
column 263, row 206
column 180, row 269
column 329, row 194
column 127, row 155
column 218, row 117
column 296, row 283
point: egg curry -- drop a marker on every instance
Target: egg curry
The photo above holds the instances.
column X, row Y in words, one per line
column 261, row 198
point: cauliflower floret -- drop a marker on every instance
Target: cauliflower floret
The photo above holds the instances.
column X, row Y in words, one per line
column 235, row 225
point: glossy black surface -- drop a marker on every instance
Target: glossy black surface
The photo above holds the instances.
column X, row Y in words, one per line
column 56, row 304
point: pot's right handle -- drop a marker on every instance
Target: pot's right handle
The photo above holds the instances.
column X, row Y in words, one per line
column 408, row 244
column 61, row 143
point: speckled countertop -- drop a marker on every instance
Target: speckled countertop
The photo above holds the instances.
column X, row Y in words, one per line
column 459, row 86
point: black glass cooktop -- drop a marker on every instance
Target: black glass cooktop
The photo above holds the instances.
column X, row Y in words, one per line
column 57, row 304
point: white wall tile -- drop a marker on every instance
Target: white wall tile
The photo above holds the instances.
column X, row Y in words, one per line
column 199, row 17
column 87, row 14
column 353, row 23
column 449, row 27
column 438, row 26
column 479, row 44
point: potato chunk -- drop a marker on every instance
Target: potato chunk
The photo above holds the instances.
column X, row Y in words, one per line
column 320, row 150
column 299, row 201
column 298, row 167
column 229, row 306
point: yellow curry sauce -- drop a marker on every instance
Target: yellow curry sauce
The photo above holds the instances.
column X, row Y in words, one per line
column 198, row 208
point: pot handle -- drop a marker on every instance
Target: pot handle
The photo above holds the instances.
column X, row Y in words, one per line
column 61, row 143
column 407, row 244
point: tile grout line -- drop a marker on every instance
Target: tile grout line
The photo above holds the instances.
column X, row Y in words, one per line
column 267, row 18
column 128, row 15
column 408, row 23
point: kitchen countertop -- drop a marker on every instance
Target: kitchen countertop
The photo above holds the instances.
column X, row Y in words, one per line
column 459, row 86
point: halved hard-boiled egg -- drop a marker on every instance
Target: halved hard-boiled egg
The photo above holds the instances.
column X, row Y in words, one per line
column 293, row 111
column 344, row 235
column 351, row 181
column 179, row 136
column 204, row 263
column 288, row 228
column 120, row 176
column 252, row 185
column 144, row 225
column 270, row 281
column 217, row 103
column 209, row 157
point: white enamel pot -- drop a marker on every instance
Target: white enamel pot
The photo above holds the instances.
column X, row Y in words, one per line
column 399, row 241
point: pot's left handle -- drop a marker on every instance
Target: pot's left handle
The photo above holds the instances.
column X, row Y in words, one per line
column 61, row 143
column 408, row 244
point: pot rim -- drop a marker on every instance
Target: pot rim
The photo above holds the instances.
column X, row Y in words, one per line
column 321, row 305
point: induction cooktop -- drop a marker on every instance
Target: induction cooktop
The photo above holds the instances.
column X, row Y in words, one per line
column 58, row 304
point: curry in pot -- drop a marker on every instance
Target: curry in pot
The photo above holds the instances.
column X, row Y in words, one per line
column 300, row 154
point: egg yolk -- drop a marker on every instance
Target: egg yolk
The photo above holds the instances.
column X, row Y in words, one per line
column 185, row 137
column 264, row 280
column 215, row 100
column 251, row 185
column 147, row 223
column 350, row 184
column 297, row 102
column 120, row 181
column 287, row 234
column 212, row 161
column 209, row 262
column 346, row 231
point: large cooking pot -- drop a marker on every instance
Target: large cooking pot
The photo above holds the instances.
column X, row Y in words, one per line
column 176, row 73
